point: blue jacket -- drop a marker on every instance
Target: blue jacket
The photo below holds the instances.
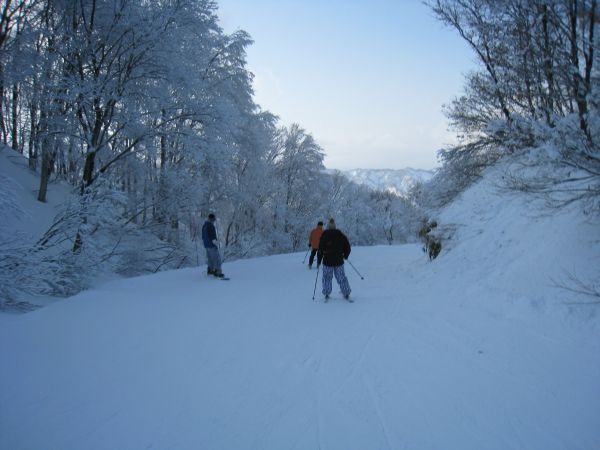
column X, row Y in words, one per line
column 209, row 234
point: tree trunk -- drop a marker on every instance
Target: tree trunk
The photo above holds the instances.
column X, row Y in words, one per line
column 45, row 172
column 579, row 88
column 32, row 145
column 160, row 215
column 78, row 242
column 589, row 61
column 88, row 173
column 15, row 117
column 228, row 233
column 2, row 124
column 548, row 68
column 88, row 170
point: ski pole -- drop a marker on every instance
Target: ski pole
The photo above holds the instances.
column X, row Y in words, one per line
column 352, row 265
column 304, row 260
column 315, row 289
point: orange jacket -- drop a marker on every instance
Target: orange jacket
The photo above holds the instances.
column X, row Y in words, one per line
column 315, row 237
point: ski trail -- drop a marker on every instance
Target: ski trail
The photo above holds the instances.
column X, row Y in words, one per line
column 319, row 405
column 356, row 365
column 377, row 406
column 313, row 363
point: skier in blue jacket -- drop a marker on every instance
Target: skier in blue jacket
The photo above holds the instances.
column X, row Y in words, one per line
column 209, row 238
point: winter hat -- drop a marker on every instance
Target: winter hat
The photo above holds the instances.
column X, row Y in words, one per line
column 320, row 224
column 211, row 216
column 331, row 224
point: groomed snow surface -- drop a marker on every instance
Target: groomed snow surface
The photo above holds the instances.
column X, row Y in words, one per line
column 476, row 350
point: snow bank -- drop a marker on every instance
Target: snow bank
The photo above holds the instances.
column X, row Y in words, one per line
column 515, row 242
column 24, row 218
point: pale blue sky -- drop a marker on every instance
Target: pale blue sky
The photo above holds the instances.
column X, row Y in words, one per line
column 366, row 79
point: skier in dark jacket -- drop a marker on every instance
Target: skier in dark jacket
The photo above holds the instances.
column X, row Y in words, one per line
column 209, row 238
column 335, row 248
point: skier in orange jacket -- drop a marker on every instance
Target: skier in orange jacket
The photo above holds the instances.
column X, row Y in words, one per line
column 313, row 242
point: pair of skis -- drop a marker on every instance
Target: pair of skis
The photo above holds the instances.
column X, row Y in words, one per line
column 349, row 300
column 223, row 278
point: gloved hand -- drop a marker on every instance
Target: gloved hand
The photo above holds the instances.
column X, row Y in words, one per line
column 309, row 244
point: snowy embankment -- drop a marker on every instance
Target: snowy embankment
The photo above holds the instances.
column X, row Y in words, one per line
column 475, row 350
column 24, row 219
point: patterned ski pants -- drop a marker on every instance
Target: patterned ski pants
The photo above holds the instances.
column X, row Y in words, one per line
column 340, row 277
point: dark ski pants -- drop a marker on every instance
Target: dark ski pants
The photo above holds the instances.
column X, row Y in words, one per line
column 340, row 277
column 311, row 259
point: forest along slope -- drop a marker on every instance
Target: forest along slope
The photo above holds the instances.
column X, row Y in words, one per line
column 477, row 349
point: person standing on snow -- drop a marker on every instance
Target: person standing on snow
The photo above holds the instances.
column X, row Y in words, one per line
column 209, row 238
column 335, row 247
column 313, row 242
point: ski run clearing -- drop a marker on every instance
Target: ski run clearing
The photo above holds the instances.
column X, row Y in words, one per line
column 478, row 349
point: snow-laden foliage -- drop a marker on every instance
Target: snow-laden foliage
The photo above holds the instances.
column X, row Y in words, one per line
column 537, row 88
column 145, row 108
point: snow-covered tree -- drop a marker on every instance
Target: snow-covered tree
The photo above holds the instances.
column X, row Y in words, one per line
column 536, row 86
column 145, row 107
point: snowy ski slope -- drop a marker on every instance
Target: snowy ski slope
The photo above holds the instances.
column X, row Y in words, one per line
column 475, row 350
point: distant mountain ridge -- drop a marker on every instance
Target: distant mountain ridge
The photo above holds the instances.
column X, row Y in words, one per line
column 398, row 181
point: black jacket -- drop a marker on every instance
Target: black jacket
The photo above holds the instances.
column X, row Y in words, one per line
column 335, row 247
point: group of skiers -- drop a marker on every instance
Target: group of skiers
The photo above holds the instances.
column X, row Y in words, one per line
column 330, row 246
